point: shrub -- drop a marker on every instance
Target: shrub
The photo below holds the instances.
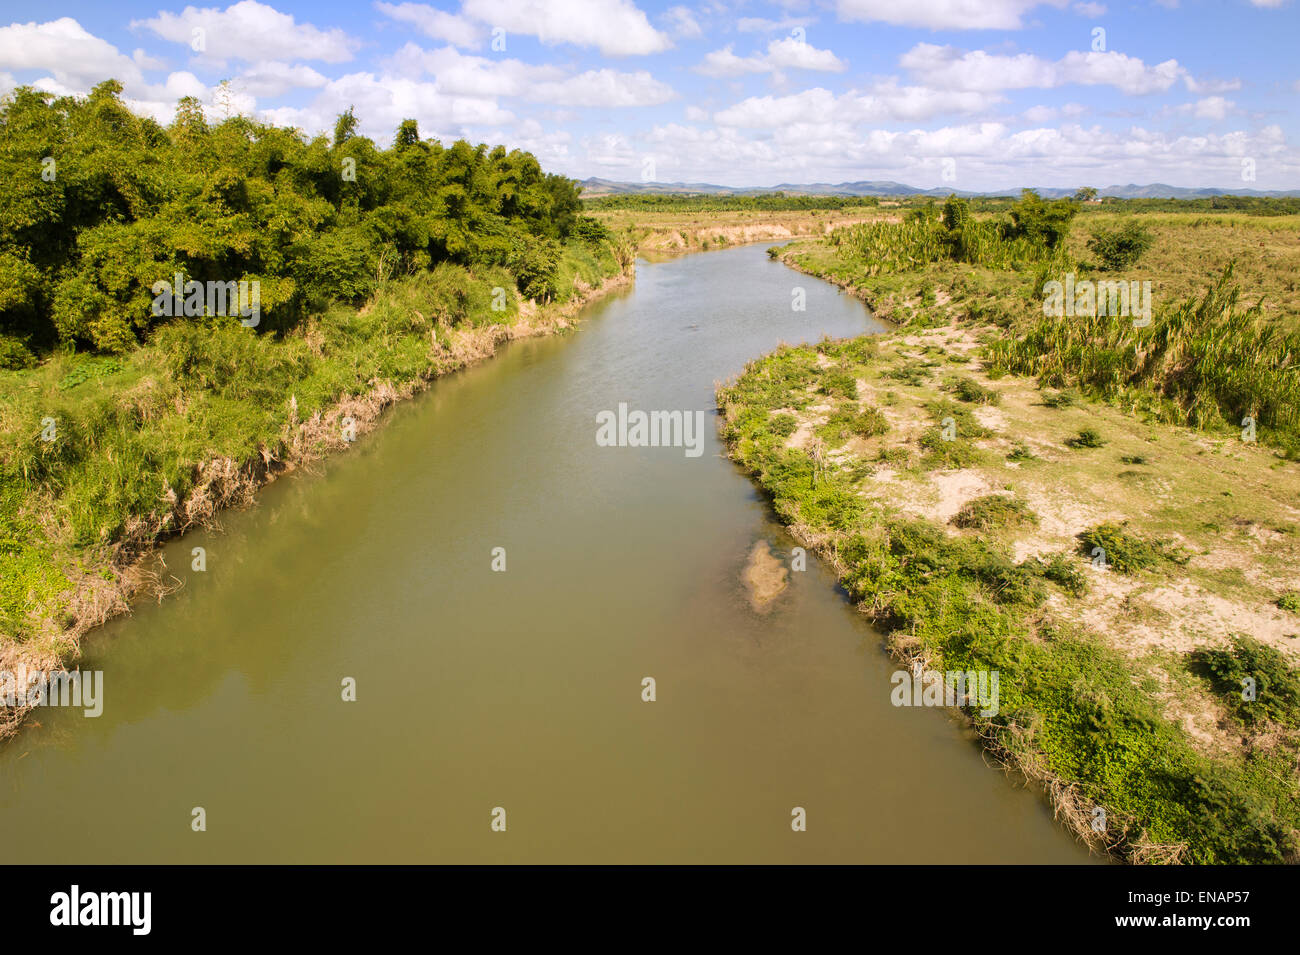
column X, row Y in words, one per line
column 784, row 425
column 1230, row 672
column 993, row 511
column 1065, row 573
column 1087, row 438
column 846, row 423
column 1021, row 452
column 1126, row 552
column 1120, row 248
column 1290, row 601
column 941, row 454
column 967, row 389
column 839, row 383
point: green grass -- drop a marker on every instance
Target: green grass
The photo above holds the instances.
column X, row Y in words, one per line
column 130, row 431
column 1070, row 707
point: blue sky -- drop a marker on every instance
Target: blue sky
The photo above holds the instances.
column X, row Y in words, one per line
column 972, row 94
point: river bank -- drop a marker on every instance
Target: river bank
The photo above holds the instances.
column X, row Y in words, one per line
column 1106, row 562
column 524, row 687
column 90, row 582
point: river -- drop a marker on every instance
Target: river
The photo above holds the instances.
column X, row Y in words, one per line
column 520, row 689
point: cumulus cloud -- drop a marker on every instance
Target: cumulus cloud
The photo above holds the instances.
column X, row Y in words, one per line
column 272, row 78
column 461, row 74
column 988, row 155
column 885, row 102
column 947, row 67
column 75, row 58
column 250, row 31
column 682, row 23
column 944, row 14
column 615, row 27
column 435, row 23
column 764, row 25
column 787, row 53
column 381, row 102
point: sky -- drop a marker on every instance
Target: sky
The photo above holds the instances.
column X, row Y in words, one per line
column 965, row 94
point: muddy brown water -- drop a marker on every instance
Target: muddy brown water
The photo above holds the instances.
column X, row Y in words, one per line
column 521, row 689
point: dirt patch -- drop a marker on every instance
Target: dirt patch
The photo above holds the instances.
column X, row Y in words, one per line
column 765, row 577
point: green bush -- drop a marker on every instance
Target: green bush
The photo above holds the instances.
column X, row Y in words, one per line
column 967, row 389
column 1122, row 247
column 1250, row 668
column 1128, row 553
column 994, row 511
column 1087, row 438
column 784, row 425
column 839, row 383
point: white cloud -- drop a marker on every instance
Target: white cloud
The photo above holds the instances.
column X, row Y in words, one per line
column 787, row 53
column 1090, row 10
column 944, row 14
column 764, row 25
column 382, row 102
column 950, row 68
column 615, row 27
column 76, row 59
column 435, row 23
column 1205, row 86
column 682, row 23
column 989, row 155
column 459, row 74
column 885, row 102
column 1211, row 107
column 250, row 31
column 273, row 78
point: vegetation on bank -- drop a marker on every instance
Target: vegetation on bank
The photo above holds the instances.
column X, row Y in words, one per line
column 701, row 202
column 118, row 425
column 1033, row 504
column 994, row 591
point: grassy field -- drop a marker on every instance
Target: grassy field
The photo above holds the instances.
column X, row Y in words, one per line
column 1108, row 542
column 102, row 455
column 690, row 229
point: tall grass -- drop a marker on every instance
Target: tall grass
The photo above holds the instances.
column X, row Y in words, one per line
column 1210, row 361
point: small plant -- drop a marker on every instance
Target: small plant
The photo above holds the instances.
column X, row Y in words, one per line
column 1120, row 248
column 969, row 390
column 839, row 383
column 992, row 511
column 1290, row 601
column 899, row 456
column 1065, row 573
column 847, row 423
column 1087, row 438
column 1253, row 680
column 945, row 454
column 1021, row 452
column 1127, row 553
column 784, row 425
column 1061, row 399
column 913, row 374
column 1133, row 459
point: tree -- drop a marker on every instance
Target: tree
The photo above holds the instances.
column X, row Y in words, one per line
column 1085, row 194
column 1046, row 222
column 345, row 127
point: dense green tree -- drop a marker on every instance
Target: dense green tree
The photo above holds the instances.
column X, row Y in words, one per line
column 101, row 204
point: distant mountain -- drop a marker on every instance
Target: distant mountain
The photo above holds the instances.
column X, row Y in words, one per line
column 879, row 188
